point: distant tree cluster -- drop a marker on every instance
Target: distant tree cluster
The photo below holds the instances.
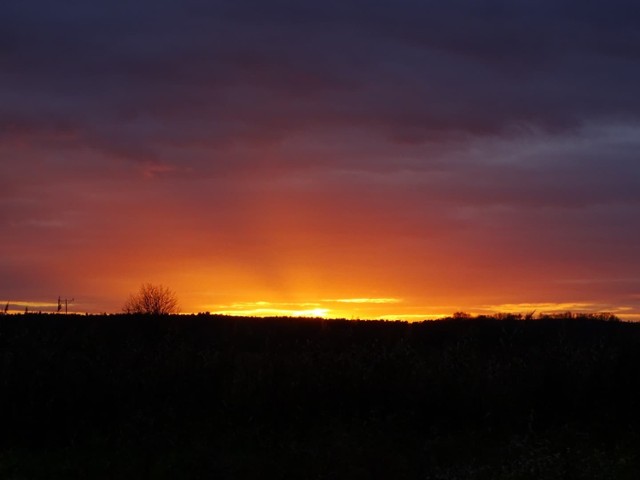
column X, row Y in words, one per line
column 152, row 300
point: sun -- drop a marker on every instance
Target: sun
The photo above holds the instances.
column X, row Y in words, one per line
column 314, row 312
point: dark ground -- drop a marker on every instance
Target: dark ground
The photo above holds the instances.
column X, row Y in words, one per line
column 219, row 397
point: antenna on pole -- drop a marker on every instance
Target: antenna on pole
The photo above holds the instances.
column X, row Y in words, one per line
column 6, row 308
column 66, row 305
column 66, row 302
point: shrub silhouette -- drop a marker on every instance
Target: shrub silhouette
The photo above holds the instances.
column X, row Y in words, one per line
column 152, row 300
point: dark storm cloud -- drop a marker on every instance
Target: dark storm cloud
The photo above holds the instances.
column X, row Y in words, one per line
column 131, row 78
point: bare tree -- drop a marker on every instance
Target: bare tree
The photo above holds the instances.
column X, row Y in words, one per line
column 152, row 300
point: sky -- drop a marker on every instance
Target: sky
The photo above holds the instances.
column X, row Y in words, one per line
column 344, row 158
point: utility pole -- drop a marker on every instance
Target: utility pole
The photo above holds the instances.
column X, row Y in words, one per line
column 66, row 304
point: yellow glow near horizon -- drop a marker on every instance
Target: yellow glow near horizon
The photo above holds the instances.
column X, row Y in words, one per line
column 365, row 308
column 540, row 307
column 276, row 312
column 364, row 300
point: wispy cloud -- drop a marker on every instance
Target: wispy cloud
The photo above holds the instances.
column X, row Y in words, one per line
column 541, row 307
column 365, row 300
column 263, row 303
column 18, row 306
column 413, row 317
column 275, row 312
column 596, row 281
column 624, row 311
column 268, row 309
column 44, row 224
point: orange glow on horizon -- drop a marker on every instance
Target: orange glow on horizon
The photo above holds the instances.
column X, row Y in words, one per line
column 357, row 308
column 281, row 246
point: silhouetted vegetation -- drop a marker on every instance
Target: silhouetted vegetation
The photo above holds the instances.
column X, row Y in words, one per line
column 152, row 300
column 206, row 396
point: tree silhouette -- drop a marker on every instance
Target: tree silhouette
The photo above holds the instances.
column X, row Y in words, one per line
column 152, row 300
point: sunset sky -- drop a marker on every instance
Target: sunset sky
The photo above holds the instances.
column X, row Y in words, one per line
column 345, row 158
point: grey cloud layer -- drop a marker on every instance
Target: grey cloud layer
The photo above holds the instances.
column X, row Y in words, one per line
column 126, row 75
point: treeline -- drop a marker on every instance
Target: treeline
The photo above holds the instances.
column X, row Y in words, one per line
column 205, row 394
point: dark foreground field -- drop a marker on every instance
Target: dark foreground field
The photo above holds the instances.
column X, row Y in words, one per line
column 219, row 397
